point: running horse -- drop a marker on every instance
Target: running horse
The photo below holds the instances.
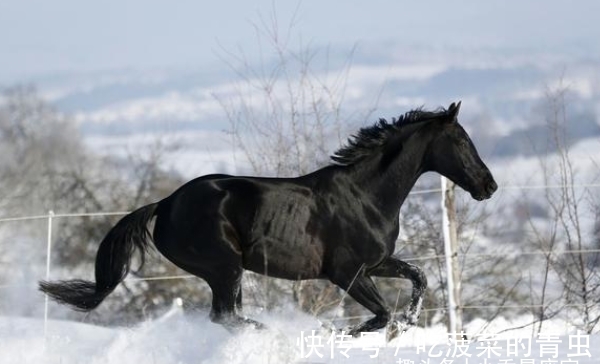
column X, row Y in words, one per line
column 338, row 223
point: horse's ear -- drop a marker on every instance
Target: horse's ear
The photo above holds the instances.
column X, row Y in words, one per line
column 453, row 110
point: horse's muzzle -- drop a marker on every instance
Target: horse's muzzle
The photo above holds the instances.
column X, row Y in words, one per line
column 485, row 189
column 489, row 187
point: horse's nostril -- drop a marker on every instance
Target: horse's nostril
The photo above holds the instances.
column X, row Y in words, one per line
column 492, row 186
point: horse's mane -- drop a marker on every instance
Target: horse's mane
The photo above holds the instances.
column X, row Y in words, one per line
column 370, row 139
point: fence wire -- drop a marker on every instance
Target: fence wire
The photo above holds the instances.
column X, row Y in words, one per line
column 50, row 216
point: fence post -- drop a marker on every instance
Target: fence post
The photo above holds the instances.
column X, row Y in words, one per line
column 451, row 253
column 48, row 261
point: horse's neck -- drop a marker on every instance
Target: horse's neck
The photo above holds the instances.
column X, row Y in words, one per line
column 389, row 189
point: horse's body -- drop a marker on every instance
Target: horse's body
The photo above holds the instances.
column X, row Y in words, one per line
column 339, row 222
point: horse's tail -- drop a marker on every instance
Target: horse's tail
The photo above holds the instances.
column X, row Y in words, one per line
column 112, row 262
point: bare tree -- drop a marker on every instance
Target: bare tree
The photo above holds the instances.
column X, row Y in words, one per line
column 286, row 114
column 47, row 166
column 580, row 280
column 37, row 144
column 564, row 238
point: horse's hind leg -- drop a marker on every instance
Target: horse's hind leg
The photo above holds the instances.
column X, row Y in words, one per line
column 192, row 231
column 226, row 290
column 215, row 260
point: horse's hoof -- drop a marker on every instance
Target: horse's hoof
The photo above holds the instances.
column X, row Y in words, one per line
column 396, row 329
column 392, row 331
column 328, row 328
column 258, row 325
column 355, row 333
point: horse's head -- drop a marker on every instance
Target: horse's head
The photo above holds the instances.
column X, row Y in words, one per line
column 453, row 155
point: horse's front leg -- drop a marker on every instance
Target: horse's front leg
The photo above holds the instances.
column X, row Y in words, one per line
column 362, row 288
column 395, row 268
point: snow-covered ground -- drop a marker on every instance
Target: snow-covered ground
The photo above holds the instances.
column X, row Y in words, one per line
column 191, row 338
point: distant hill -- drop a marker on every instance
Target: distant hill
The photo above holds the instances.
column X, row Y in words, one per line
column 503, row 89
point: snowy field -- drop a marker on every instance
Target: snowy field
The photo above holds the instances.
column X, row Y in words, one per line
column 182, row 338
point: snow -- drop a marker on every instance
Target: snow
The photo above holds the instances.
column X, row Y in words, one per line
column 171, row 339
column 180, row 337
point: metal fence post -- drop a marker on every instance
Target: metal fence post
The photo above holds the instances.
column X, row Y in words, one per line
column 48, row 262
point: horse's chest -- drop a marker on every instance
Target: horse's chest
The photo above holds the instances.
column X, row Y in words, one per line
column 370, row 235
column 371, row 247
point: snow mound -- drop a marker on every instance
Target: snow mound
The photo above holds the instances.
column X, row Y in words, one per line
column 182, row 338
column 174, row 338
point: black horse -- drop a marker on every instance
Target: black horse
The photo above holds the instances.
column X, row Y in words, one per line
column 339, row 222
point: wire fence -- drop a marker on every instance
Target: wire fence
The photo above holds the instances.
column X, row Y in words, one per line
column 50, row 217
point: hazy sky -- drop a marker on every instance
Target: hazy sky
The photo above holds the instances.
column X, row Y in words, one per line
column 40, row 36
